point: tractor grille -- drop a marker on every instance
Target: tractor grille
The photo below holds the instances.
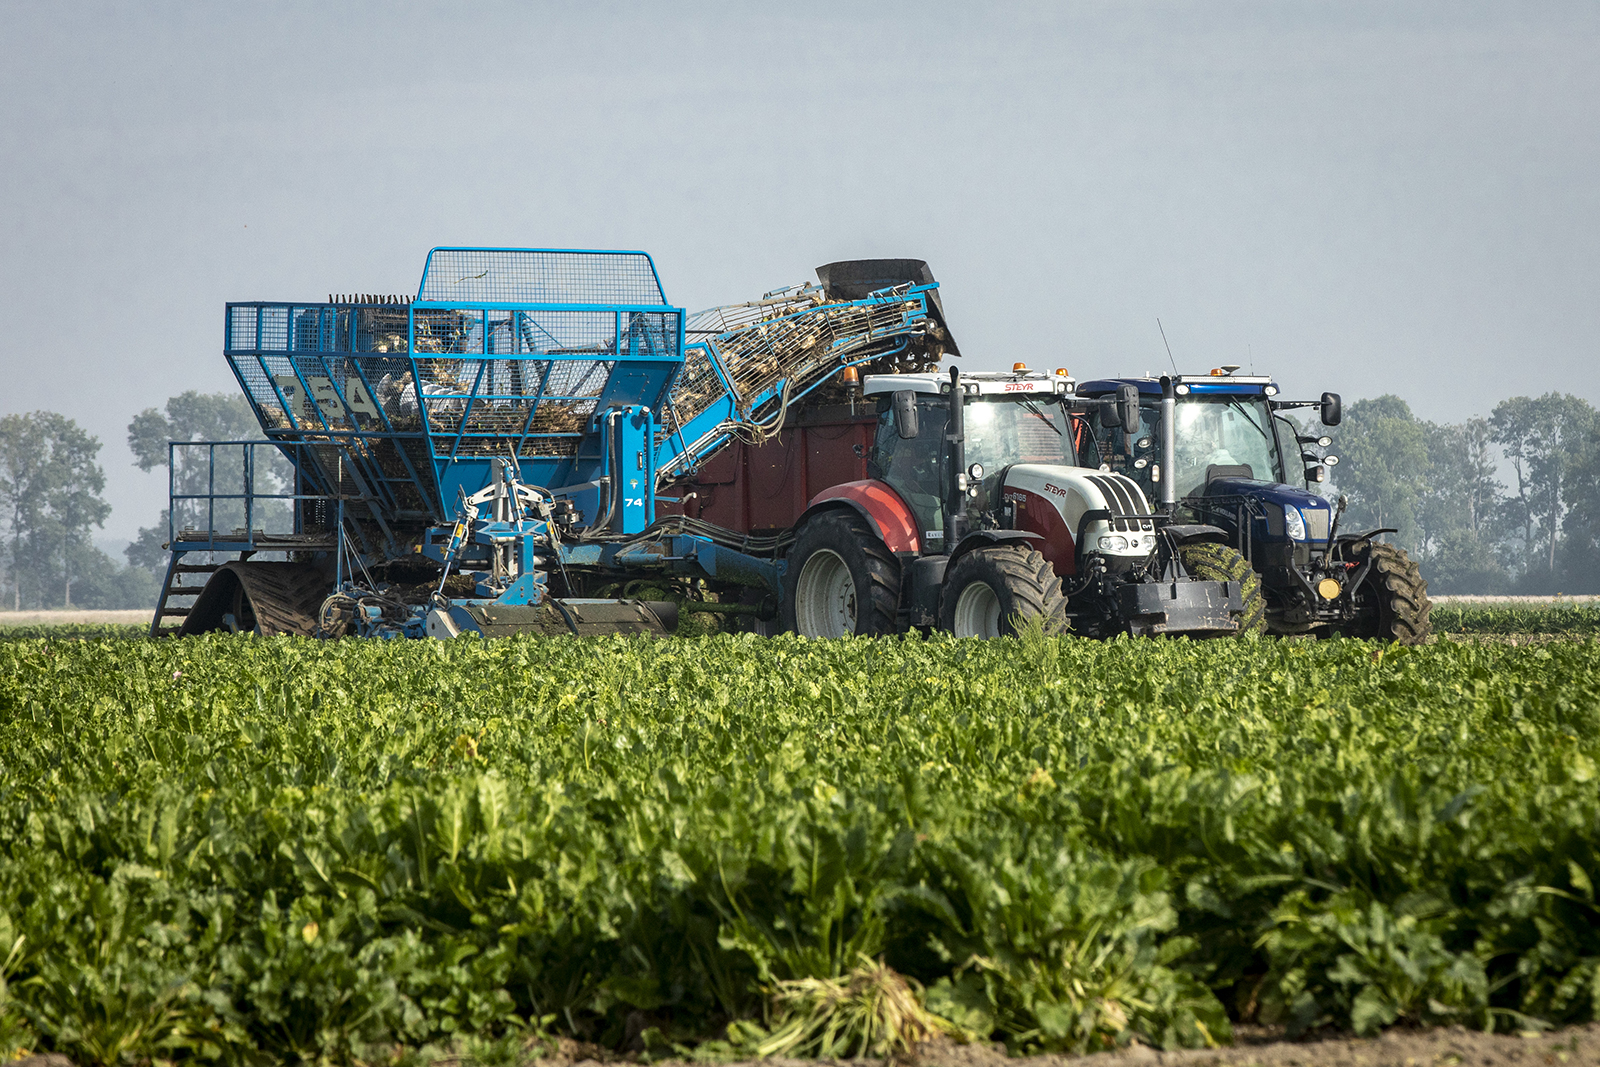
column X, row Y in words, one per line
column 1317, row 523
column 1124, row 497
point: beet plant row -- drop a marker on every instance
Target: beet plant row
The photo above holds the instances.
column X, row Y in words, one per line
column 244, row 850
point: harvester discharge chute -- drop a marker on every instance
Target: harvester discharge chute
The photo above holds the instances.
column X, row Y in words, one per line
column 484, row 456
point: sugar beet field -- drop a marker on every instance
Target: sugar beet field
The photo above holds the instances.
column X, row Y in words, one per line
column 251, row 851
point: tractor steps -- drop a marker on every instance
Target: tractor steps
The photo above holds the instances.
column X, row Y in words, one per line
column 174, row 586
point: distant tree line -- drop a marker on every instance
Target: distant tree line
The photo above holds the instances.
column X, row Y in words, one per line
column 1440, row 486
column 50, row 501
column 1504, row 504
column 51, row 493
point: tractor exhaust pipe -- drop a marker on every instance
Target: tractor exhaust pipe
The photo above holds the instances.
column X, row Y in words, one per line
column 1169, row 445
column 956, row 437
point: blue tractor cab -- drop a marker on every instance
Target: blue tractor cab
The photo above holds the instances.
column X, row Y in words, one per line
column 1217, row 449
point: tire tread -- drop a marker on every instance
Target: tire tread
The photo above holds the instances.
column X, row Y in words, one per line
column 851, row 532
column 1214, row 562
column 1030, row 579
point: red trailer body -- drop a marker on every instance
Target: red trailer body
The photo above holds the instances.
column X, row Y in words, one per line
column 765, row 488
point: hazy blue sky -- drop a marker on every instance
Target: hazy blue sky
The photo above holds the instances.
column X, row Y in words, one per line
column 1364, row 197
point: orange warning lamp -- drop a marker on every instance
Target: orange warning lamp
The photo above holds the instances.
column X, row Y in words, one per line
column 851, row 377
column 1018, row 368
column 1062, row 372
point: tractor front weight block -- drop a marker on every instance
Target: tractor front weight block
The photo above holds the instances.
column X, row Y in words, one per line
column 1193, row 609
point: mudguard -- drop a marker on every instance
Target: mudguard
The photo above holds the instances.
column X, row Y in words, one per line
column 1196, row 534
column 884, row 509
column 978, row 538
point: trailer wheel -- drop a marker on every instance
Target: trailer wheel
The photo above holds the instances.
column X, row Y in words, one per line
column 1223, row 563
column 1392, row 601
column 841, row 580
column 992, row 589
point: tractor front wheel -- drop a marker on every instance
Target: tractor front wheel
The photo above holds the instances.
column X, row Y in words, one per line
column 993, row 590
column 841, row 579
column 1392, row 601
column 1222, row 563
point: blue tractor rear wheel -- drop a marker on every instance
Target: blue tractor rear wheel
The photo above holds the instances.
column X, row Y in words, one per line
column 1392, row 601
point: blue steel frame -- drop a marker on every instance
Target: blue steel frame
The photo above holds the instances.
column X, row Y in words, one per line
column 336, row 404
column 640, row 365
column 292, row 452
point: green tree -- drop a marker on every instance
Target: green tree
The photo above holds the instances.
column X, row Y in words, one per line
column 1384, row 460
column 102, row 582
column 1580, row 547
column 189, row 416
column 24, row 494
column 1460, row 539
column 1543, row 438
column 50, row 489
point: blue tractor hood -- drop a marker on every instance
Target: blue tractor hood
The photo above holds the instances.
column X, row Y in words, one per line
column 1267, row 493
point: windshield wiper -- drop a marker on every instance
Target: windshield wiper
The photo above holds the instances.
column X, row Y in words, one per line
column 1037, row 410
column 1250, row 419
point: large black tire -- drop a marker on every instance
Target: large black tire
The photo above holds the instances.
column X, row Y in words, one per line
column 1222, row 563
column 1392, row 601
column 993, row 589
column 841, row 579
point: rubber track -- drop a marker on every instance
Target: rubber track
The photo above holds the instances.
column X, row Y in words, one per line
column 1223, row 563
column 1031, row 580
column 284, row 596
column 1404, row 610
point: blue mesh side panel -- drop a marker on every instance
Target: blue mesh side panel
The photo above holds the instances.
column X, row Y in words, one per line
column 536, row 276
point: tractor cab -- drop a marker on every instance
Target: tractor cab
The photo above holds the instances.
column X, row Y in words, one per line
column 1020, row 417
column 1224, row 451
column 977, row 512
column 1226, row 439
column 1219, row 435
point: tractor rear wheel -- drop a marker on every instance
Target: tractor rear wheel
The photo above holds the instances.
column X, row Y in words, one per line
column 1392, row 601
column 993, row 590
column 1223, row 563
column 841, row 579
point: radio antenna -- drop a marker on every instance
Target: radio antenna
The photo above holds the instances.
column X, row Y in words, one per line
column 1164, row 341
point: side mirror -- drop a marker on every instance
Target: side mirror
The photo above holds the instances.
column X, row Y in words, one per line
column 1107, row 412
column 1332, row 409
column 1128, row 407
column 905, row 414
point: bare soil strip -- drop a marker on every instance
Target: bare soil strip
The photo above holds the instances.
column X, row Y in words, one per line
column 1559, row 601
column 70, row 617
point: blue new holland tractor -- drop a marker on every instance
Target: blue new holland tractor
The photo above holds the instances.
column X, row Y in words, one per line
column 1216, row 449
